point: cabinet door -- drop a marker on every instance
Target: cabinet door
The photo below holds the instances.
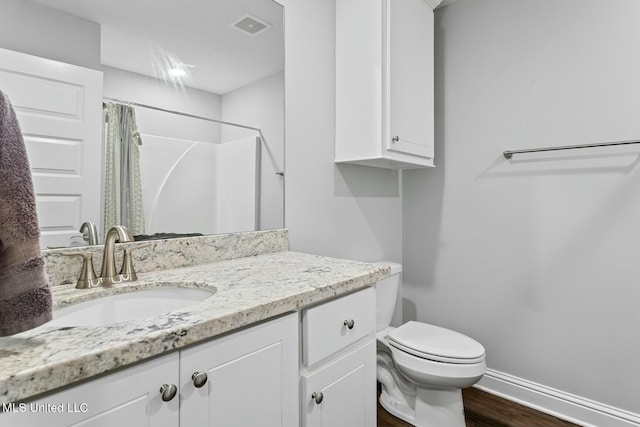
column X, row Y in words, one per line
column 348, row 387
column 252, row 378
column 410, row 79
column 129, row 397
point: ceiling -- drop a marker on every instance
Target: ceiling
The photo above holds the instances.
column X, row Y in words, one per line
column 147, row 36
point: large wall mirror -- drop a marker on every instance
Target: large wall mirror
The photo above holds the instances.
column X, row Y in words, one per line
column 195, row 87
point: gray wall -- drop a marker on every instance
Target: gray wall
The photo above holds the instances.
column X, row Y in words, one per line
column 535, row 258
column 30, row 28
column 345, row 211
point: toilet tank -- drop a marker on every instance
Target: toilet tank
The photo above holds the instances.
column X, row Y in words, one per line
column 386, row 295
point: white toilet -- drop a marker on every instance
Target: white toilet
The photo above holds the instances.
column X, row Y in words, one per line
column 422, row 368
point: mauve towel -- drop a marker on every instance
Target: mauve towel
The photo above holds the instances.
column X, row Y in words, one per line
column 25, row 294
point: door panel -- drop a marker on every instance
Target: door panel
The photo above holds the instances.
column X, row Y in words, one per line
column 60, row 113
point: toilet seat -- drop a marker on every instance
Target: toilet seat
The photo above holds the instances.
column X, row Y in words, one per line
column 436, row 343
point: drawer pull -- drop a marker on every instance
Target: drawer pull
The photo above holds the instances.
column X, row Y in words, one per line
column 317, row 397
column 199, row 379
column 349, row 323
column 168, row 391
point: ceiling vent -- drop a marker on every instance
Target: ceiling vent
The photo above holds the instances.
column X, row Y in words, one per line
column 250, row 25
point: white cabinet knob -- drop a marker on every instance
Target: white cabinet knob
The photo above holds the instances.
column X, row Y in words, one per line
column 168, row 391
column 199, row 379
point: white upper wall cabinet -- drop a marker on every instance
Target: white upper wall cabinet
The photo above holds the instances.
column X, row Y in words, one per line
column 384, row 83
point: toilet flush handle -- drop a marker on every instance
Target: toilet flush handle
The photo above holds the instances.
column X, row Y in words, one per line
column 349, row 323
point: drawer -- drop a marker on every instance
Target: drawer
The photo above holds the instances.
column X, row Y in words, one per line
column 326, row 327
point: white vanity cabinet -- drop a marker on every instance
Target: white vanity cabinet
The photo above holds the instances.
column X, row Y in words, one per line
column 248, row 378
column 129, row 397
column 313, row 368
column 252, row 380
column 338, row 377
column 384, row 83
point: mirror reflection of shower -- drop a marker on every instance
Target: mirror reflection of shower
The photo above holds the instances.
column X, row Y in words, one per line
column 162, row 186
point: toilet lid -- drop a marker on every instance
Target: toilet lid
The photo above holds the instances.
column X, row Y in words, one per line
column 436, row 343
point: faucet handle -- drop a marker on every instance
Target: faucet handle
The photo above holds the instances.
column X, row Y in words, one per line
column 127, row 272
column 88, row 278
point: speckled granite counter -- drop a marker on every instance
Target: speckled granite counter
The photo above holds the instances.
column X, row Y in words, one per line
column 248, row 290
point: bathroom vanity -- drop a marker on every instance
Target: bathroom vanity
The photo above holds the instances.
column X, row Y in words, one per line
column 284, row 340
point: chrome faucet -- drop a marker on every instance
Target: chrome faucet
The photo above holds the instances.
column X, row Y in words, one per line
column 108, row 273
column 89, row 229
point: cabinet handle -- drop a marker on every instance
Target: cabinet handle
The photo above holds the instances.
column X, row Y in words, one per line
column 349, row 323
column 317, row 397
column 168, row 391
column 395, row 139
column 199, row 379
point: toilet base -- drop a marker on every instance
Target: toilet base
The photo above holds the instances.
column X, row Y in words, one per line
column 433, row 408
column 399, row 409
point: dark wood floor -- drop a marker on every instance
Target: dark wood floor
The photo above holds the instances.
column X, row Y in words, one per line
column 482, row 409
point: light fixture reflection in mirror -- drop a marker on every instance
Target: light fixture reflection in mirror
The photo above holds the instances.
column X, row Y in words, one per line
column 167, row 67
column 177, row 72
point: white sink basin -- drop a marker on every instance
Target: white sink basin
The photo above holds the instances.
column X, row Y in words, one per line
column 129, row 306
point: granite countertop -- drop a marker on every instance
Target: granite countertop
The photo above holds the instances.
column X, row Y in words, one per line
column 247, row 290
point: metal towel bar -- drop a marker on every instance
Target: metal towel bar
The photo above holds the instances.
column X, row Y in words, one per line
column 509, row 153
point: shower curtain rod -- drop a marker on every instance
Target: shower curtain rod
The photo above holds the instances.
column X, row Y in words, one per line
column 279, row 171
column 179, row 113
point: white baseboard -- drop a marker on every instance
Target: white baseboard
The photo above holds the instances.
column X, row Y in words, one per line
column 576, row 409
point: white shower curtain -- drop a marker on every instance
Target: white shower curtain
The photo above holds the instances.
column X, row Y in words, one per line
column 123, row 186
